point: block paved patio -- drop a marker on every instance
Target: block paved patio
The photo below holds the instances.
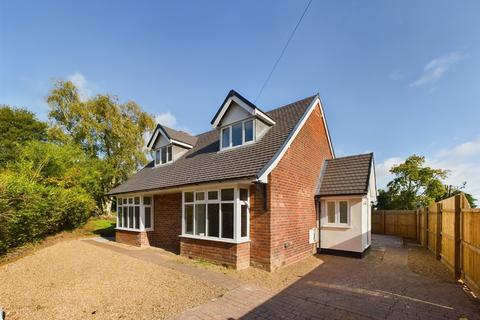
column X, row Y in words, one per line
column 380, row 286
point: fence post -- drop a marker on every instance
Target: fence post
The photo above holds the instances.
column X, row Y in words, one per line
column 425, row 227
column 383, row 222
column 456, row 235
column 438, row 247
column 417, row 232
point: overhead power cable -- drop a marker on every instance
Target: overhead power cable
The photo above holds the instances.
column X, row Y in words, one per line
column 284, row 49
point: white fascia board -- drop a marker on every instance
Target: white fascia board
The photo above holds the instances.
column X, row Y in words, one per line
column 225, row 107
column 263, row 174
column 182, row 144
column 250, row 110
column 264, row 117
column 326, row 127
column 154, row 138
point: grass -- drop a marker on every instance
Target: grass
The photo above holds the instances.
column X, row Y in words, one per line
column 98, row 226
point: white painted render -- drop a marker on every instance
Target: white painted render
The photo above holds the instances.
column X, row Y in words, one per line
column 358, row 235
column 260, row 129
column 161, row 142
column 178, row 152
column 234, row 113
column 346, row 238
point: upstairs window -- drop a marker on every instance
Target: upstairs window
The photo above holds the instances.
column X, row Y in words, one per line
column 163, row 155
column 237, row 134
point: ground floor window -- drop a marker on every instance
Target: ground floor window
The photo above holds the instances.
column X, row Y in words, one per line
column 221, row 214
column 135, row 213
column 337, row 213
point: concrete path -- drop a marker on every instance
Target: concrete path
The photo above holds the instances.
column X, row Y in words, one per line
column 380, row 286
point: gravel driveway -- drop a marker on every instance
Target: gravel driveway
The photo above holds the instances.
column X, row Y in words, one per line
column 75, row 280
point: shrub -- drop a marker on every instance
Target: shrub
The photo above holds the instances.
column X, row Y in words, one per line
column 31, row 211
column 44, row 192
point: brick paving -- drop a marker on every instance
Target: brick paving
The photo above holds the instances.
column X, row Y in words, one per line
column 380, row 286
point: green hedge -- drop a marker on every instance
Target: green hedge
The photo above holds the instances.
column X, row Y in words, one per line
column 30, row 210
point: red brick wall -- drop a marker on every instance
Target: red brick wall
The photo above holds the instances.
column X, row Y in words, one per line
column 259, row 229
column 229, row 254
column 133, row 238
column 167, row 222
column 291, row 192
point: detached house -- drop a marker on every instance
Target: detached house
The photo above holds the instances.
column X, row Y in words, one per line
column 260, row 189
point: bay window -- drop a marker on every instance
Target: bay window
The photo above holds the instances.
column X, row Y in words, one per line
column 237, row 134
column 221, row 215
column 135, row 213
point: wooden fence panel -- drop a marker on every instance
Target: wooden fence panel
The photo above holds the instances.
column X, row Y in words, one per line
column 449, row 228
column 432, row 227
column 448, row 238
column 401, row 223
column 470, row 248
column 448, row 233
column 421, row 227
column 377, row 222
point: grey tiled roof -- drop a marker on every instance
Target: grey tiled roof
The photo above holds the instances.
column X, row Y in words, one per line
column 181, row 136
column 204, row 162
column 345, row 175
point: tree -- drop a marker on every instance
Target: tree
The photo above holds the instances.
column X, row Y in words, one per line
column 105, row 128
column 414, row 185
column 451, row 190
column 17, row 126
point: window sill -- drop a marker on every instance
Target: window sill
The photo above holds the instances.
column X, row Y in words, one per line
column 133, row 230
column 189, row 236
column 246, row 144
column 337, row 226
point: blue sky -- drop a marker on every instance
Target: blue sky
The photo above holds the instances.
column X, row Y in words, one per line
column 396, row 77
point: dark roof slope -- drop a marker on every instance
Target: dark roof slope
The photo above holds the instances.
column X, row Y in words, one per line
column 205, row 163
column 181, row 136
column 345, row 175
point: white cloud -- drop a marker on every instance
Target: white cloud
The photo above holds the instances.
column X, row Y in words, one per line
column 85, row 88
column 467, row 149
column 166, row 119
column 436, row 68
column 463, row 161
column 382, row 170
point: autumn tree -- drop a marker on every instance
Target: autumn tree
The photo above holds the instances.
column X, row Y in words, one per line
column 105, row 128
column 17, row 126
column 414, row 185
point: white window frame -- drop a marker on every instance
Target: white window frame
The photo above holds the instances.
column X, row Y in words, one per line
column 337, row 213
column 229, row 127
column 142, row 207
column 237, row 238
column 159, row 151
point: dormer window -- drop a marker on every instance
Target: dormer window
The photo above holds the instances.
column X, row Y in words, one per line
column 240, row 122
column 169, row 145
column 237, row 134
column 163, row 155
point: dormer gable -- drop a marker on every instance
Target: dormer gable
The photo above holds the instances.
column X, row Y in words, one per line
column 240, row 122
column 235, row 108
column 168, row 144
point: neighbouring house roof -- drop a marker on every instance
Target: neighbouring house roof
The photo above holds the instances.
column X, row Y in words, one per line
column 171, row 134
column 345, row 176
column 206, row 163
